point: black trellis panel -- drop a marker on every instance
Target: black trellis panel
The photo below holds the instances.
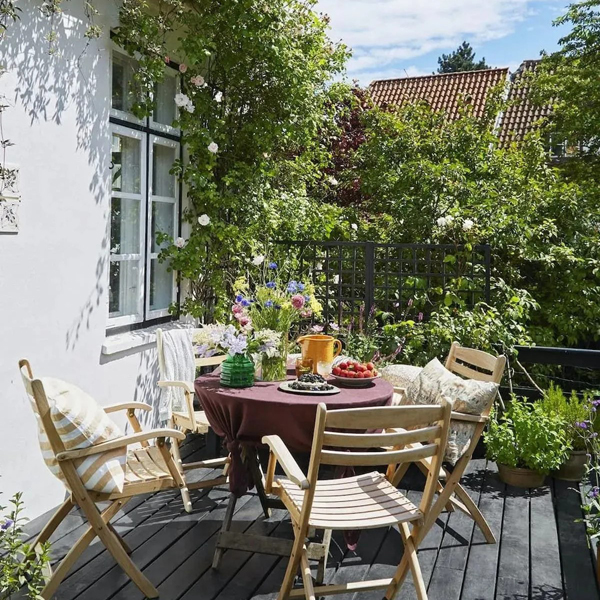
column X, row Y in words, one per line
column 351, row 275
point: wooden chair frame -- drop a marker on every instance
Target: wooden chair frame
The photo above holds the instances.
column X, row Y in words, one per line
column 99, row 522
column 432, row 424
column 191, row 421
column 473, row 364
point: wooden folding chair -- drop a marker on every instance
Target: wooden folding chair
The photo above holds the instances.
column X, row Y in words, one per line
column 472, row 364
column 149, row 469
column 363, row 501
column 190, row 421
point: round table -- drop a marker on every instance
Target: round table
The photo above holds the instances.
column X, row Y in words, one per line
column 244, row 415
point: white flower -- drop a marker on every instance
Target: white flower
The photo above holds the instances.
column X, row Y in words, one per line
column 333, row 181
column 181, row 100
column 336, row 279
column 219, row 97
column 180, row 242
column 468, row 224
column 258, row 260
column 197, row 80
column 182, row 68
column 449, row 219
column 204, row 220
column 442, row 222
column 212, row 147
column 189, row 107
column 354, row 226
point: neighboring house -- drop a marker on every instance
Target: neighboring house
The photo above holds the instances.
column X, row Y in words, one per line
column 446, row 91
column 81, row 289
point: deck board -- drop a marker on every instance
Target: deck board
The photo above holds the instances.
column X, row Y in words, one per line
column 542, row 553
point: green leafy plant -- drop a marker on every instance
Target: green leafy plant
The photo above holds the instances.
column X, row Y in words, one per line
column 526, row 436
column 572, row 409
column 20, row 566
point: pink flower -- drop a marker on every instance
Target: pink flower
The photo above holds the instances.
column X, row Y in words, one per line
column 306, row 313
column 244, row 320
column 182, row 68
column 317, row 328
column 334, row 326
column 298, row 301
column 167, row 60
column 236, row 309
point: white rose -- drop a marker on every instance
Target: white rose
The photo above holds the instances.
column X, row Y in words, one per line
column 219, row 97
column 180, row 242
column 258, row 260
column 197, row 80
column 212, row 147
column 354, row 226
column 468, row 224
column 189, row 107
column 204, row 220
column 181, row 100
column 441, row 222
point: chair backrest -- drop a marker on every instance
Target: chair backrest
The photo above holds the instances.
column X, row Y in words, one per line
column 345, row 437
column 475, row 364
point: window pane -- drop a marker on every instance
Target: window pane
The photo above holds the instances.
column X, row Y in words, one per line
column 161, row 285
column 124, row 226
column 125, row 90
column 164, row 97
column 163, row 183
column 124, row 288
column 163, row 221
column 126, row 164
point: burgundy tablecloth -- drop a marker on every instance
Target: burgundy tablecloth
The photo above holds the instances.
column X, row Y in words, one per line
column 244, row 416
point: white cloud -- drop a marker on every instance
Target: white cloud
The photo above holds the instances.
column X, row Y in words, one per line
column 383, row 32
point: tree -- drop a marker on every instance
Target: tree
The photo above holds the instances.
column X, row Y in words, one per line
column 462, row 59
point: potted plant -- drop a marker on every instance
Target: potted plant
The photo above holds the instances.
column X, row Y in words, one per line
column 526, row 442
column 573, row 410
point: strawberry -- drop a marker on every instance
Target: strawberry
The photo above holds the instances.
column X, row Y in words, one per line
column 343, row 365
column 368, row 374
column 370, row 366
column 336, row 370
column 360, row 375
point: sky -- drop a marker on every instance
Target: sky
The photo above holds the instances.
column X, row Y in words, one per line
column 399, row 38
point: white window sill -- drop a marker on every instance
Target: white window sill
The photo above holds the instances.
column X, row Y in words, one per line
column 140, row 339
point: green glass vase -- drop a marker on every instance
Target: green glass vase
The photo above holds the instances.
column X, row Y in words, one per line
column 237, row 371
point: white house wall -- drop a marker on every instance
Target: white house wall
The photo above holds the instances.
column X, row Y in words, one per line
column 54, row 271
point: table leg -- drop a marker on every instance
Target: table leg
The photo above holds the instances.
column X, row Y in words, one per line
column 224, row 528
column 251, row 458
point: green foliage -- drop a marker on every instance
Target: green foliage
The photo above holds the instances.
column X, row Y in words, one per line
column 20, row 566
column 571, row 409
column 526, row 436
column 256, row 97
column 462, row 59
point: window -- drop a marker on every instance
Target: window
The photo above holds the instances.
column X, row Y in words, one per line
column 144, row 198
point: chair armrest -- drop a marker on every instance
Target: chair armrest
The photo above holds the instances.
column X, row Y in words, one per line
column 286, row 460
column 126, row 406
column 188, row 387
column 458, row 416
column 121, row 442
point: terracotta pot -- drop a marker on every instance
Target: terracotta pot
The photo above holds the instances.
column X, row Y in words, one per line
column 523, row 478
column 574, row 467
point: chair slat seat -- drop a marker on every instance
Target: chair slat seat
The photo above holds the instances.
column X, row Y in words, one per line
column 201, row 424
column 361, row 502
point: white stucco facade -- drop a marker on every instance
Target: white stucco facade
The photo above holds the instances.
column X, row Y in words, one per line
column 54, row 271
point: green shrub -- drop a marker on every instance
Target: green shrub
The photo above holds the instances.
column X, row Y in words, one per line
column 526, row 436
column 571, row 409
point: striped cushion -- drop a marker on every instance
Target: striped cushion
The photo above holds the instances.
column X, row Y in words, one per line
column 81, row 422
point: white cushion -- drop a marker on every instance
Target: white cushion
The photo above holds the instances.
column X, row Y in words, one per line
column 81, row 422
column 467, row 396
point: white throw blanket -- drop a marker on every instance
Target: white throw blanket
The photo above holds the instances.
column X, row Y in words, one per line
column 179, row 365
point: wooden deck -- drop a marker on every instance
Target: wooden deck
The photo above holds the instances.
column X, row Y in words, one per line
column 542, row 552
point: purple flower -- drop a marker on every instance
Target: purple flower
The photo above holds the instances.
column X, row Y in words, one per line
column 272, row 265
column 420, row 317
column 245, row 302
column 317, row 328
column 7, row 524
column 269, row 303
column 307, row 298
column 276, row 306
column 594, row 492
column 239, row 298
column 596, row 402
column 410, row 302
column 301, row 287
column 334, row 326
column 292, row 287
column 271, row 284
column 581, row 425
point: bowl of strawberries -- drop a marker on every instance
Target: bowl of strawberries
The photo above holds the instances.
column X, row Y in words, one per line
column 354, row 373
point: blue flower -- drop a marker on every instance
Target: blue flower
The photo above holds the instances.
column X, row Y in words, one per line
column 7, row 524
column 239, row 298
column 582, row 425
column 271, row 284
column 272, row 265
column 594, row 492
column 269, row 303
column 301, row 287
column 277, row 306
column 245, row 302
column 307, row 298
column 292, row 287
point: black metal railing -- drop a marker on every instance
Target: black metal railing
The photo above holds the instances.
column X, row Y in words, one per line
column 348, row 275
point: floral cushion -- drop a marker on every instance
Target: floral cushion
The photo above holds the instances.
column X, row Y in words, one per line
column 400, row 376
column 467, row 396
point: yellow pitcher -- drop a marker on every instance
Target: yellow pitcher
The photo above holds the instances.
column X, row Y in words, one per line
column 320, row 348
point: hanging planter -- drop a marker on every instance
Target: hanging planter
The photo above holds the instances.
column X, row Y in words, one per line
column 237, row 371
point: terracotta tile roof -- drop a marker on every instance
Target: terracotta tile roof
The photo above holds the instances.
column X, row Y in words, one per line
column 442, row 92
column 521, row 115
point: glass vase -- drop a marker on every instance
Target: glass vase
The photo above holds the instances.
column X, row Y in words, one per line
column 237, row 371
column 275, row 368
